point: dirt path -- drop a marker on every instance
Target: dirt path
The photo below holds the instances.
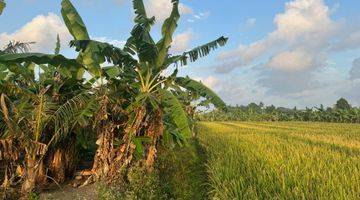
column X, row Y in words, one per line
column 71, row 193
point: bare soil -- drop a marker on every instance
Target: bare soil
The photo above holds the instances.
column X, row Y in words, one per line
column 68, row 192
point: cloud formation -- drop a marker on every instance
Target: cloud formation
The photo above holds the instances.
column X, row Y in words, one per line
column 43, row 30
column 182, row 41
column 116, row 43
column 290, row 66
column 161, row 9
column 210, row 81
column 302, row 32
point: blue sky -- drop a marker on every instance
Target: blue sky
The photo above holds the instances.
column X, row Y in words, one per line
column 285, row 52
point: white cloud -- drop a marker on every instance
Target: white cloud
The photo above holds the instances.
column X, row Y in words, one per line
column 302, row 30
column 290, row 65
column 292, row 61
column 182, row 41
column 199, row 16
column 303, row 17
column 43, row 30
column 349, row 40
column 161, row 9
column 210, row 81
column 116, row 43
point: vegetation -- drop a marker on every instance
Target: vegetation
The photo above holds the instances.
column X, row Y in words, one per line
column 282, row 160
column 179, row 174
column 125, row 110
column 118, row 124
column 341, row 112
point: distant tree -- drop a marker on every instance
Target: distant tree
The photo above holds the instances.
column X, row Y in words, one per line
column 270, row 109
column 328, row 109
column 253, row 107
column 261, row 105
column 343, row 104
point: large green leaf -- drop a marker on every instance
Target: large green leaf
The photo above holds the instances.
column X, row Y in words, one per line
column 174, row 109
column 202, row 90
column 143, row 42
column 140, row 41
column 200, row 51
column 168, row 30
column 89, row 56
column 39, row 58
column 106, row 52
column 2, row 6
column 58, row 45
column 73, row 112
column 73, row 21
column 140, row 13
column 111, row 71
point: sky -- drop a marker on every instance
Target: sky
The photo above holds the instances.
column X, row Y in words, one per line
column 285, row 52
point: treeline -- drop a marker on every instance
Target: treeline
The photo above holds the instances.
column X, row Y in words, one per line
column 341, row 112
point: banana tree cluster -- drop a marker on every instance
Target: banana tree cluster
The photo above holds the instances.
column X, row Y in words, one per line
column 128, row 102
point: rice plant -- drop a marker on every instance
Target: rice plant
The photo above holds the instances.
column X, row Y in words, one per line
column 282, row 160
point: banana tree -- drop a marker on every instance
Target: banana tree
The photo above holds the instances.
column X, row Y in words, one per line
column 38, row 112
column 153, row 109
column 35, row 122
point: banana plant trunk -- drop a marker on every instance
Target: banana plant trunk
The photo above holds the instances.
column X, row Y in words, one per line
column 110, row 161
column 154, row 131
column 104, row 153
column 62, row 161
column 31, row 173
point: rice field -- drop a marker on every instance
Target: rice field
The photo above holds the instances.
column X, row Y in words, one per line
column 282, row 160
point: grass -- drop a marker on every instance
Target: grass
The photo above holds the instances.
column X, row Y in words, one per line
column 285, row 160
column 180, row 173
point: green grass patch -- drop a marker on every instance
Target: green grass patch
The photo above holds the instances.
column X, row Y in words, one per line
column 182, row 172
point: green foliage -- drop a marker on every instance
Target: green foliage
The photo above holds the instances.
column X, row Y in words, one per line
column 140, row 185
column 259, row 112
column 174, row 110
column 140, row 13
column 33, row 196
column 45, row 98
column 90, row 56
column 202, row 50
column 74, row 111
column 182, row 172
column 73, row 21
column 58, row 45
column 343, row 104
column 2, row 6
column 202, row 90
column 107, row 52
column 38, row 58
column 168, row 29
